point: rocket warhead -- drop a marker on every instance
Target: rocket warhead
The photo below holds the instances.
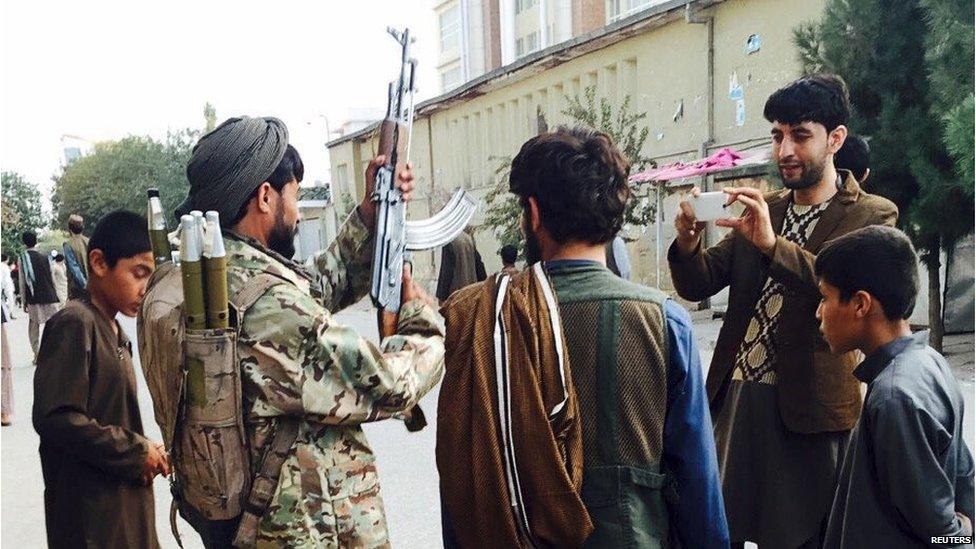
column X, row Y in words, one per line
column 157, row 227
column 190, row 245
column 215, row 238
column 201, row 230
column 156, row 218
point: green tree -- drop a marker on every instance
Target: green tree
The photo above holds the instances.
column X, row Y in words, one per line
column 949, row 59
column 625, row 128
column 504, row 212
column 210, row 116
column 21, row 208
column 879, row 47
column 116, row 174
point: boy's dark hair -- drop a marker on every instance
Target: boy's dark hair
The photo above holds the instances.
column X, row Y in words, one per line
column 4, row 258
column 579, row 179
column 119, row 235
column 290, row 168
column 29, row 238
column 509, row 253
column 820, row 98
column 854, row 155
column 878, row 260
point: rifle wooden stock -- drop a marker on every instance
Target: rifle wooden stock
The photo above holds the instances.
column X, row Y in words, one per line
column 388, row 129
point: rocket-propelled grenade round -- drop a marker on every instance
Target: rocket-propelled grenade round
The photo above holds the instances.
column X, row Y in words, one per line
column 191, row 268
column 215, row 273
column 157, row 228
column 202, row 230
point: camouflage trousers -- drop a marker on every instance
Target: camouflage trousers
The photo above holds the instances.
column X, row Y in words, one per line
column 316, row 506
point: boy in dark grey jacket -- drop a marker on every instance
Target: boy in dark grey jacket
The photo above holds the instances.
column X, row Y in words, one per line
column 907, row 478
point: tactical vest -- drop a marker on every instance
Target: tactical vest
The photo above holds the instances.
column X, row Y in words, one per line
column 617, row 343
column 194, row 379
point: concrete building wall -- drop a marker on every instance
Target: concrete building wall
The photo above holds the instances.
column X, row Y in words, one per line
column 663, row 70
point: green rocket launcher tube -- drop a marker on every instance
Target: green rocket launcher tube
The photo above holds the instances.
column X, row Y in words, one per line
column 157, row 228
column 192, row 270
column 215, row 273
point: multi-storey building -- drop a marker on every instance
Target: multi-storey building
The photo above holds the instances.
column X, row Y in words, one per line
column 699, row 70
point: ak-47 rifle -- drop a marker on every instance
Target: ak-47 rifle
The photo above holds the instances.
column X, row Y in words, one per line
column 395, row 236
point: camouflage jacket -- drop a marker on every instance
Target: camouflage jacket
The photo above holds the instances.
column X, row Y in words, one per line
column 296, row 360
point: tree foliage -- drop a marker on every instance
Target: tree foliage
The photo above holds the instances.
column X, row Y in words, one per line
column 116, row 174
column 949, row 58
column 504, row 212
column 209, row 117
column 21, row 209
column 628, row 132
column 908, row 65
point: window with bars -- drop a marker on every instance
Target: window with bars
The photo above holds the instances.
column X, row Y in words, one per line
column 523, row 5
column 450, row 28
column 451, row 79
column 527, row 44
column 619, row 9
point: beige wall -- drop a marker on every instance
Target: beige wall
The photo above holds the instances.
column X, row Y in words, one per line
column 659, row 69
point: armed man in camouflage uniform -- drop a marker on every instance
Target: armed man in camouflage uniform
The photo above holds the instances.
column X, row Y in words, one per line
column 295, row 359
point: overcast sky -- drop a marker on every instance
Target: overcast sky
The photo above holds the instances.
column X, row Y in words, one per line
column 105, row 69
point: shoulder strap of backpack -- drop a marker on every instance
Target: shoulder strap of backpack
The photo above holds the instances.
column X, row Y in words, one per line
column 286, row 432
column 252, row 291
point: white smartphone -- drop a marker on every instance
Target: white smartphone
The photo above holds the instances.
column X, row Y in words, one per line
column 710, row 206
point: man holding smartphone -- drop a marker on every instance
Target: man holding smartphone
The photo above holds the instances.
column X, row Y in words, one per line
column 783, row 405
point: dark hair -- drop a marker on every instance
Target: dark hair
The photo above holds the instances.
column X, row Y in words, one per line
column 119, row 235
column 76, row 223
column 579, row 179
column 291, row 168
column 509, row 254
column 878, row 260
column 820, row 98
column 29, row 238
column 4, row 258
column 854, row 155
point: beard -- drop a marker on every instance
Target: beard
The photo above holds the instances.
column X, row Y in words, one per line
column 533, row 252
column 282, row 237
column 810, row 174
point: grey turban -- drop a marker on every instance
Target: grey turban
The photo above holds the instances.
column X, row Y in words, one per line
column 230, row 162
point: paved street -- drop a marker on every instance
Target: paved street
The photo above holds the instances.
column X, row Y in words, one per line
column 405, row 460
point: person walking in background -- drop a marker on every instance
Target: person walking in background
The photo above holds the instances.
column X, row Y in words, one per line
column 59, row 274
column 618, row 260
column 7, row 287
column 509, row 254
column 908, row 474
column 6, row 378
column 76, row 257
column 461, row 265
column 37, row 289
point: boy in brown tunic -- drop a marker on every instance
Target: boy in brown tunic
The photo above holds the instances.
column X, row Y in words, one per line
column 98, row 467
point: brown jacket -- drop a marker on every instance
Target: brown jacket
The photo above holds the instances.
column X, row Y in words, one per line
column 817, row 391
column 545, row 441
column 92, row 447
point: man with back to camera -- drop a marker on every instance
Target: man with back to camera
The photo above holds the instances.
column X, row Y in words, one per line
column 783, row 404
column 643, row 415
